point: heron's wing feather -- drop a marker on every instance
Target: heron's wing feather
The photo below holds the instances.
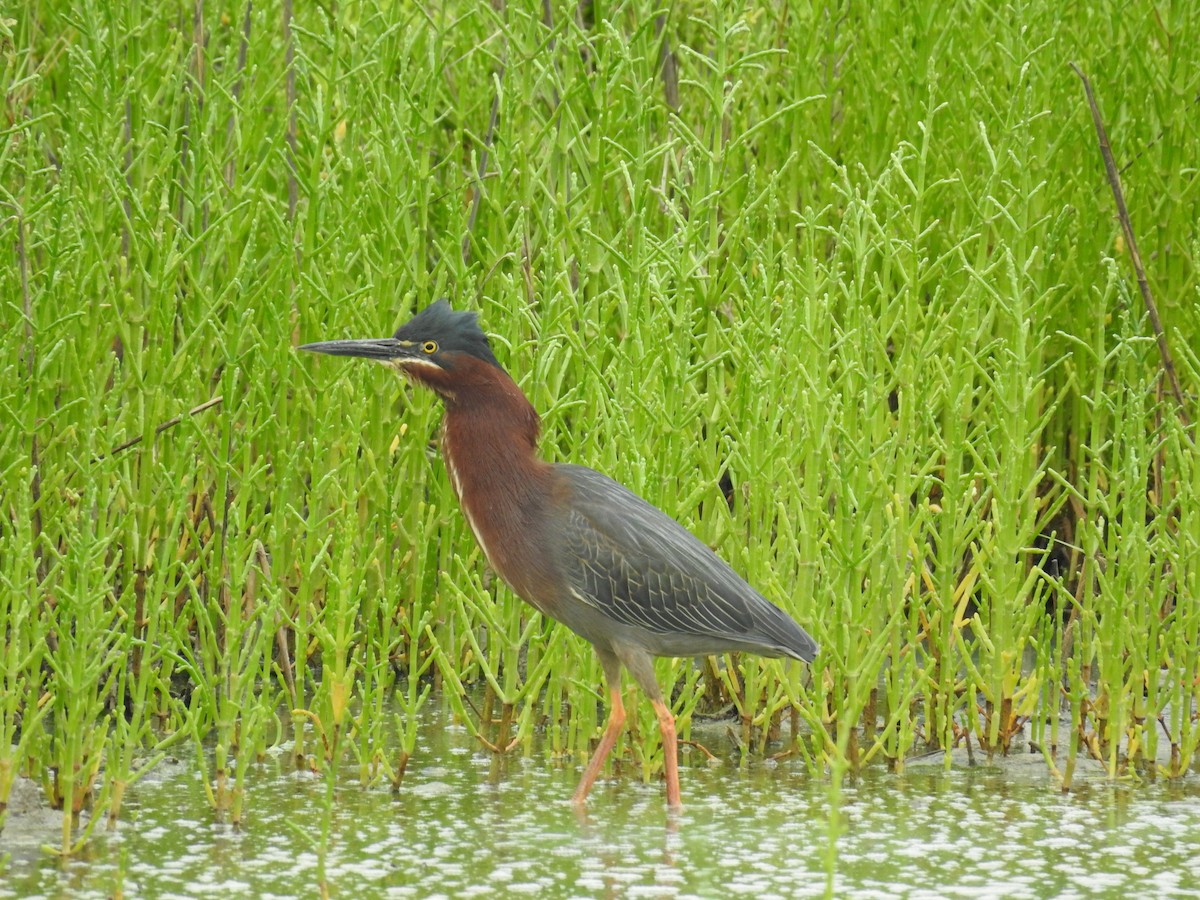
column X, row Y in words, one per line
column 643, row 569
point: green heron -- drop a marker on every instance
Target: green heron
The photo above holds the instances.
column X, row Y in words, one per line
column 574, row 544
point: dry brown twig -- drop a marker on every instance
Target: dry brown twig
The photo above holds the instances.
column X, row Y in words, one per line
column 1114, row 181
column 170, row 423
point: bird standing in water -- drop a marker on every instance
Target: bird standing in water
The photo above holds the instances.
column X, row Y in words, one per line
column 574, row 544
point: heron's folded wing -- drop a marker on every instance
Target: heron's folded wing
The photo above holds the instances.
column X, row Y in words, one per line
column 642, row 568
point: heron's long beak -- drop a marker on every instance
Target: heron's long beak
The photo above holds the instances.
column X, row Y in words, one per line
column 384, row 350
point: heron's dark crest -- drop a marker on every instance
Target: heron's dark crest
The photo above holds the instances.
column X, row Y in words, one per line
column 455, row 332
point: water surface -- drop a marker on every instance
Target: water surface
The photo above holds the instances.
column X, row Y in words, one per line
column 465, row 825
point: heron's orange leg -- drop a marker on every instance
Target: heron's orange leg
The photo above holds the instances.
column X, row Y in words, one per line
column 666, row 724
column 616, row 721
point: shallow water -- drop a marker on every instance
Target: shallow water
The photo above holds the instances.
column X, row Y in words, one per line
column 466, row 825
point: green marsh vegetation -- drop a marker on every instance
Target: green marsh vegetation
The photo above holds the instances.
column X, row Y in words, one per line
column 844, row 293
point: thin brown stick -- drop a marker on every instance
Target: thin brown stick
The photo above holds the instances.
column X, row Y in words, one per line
column 281, row 637
column 712, row 757
column 243, row 48
column 127, row 200
column 1114, row 181
column 527, row 266
column 585, row 18
column 35, row 482
column 26, row 297
column 170, row 423
column 483, row 155
column 285, row 657
column 184, row 153
column 198, row 43
column 193, row 92
column 548, row 21
column 667, row 64
column 289, row 58
column 555, row 100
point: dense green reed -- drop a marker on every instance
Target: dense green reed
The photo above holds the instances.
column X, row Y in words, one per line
column 855, row 310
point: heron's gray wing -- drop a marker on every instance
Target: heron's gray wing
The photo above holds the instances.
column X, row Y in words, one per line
column 641, row 568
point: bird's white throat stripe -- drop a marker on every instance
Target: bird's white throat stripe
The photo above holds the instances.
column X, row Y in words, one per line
column 409, row 362
column 456, row 483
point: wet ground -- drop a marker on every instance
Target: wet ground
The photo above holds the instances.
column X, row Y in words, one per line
column 464, row 825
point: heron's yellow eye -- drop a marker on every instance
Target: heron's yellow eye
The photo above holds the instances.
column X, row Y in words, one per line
column 429, row 346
